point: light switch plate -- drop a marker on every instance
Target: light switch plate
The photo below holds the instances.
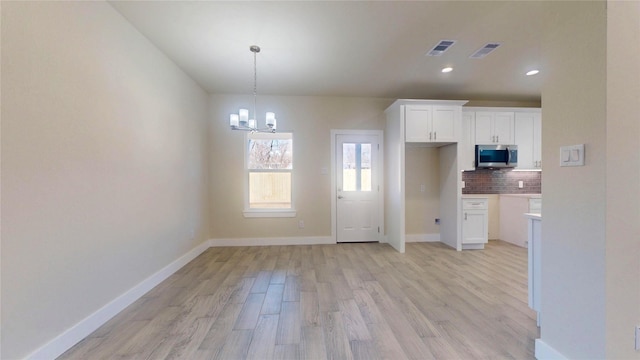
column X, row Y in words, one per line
column 572, row 155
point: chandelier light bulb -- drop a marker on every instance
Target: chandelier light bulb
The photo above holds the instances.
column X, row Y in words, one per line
column 271, row 120
column 244, row 117
column 234, row 120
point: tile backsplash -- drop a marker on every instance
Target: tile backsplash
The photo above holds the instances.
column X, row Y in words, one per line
column 505, row 181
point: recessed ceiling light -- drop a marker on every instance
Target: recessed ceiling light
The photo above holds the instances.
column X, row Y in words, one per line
column 532, row 72
column 447, row 69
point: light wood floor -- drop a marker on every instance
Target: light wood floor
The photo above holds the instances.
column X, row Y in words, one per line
column 347, row 301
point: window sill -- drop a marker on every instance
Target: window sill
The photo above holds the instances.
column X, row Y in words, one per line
column 269, row 213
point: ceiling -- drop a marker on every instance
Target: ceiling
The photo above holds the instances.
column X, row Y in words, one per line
column 351, row 48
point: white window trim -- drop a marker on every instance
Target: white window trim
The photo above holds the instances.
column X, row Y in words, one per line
column 266, row 213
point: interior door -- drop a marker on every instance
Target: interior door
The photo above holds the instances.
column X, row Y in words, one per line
column 358, row 190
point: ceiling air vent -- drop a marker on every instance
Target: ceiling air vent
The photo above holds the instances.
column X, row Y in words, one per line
column 484, row 51
column 442, row 46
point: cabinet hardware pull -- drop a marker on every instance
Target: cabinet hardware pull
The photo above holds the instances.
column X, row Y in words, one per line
column 465, row 216
column 430, row 135
column 498, row 138
column 435, row 135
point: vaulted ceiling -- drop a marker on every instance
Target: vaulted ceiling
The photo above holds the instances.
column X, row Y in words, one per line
column 350, row 48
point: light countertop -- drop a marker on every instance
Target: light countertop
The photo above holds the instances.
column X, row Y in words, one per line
column 529, row 196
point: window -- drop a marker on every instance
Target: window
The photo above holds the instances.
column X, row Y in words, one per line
column 269, row 173
column 356, row 167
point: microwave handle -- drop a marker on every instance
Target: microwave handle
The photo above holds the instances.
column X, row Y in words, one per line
column 508, row 156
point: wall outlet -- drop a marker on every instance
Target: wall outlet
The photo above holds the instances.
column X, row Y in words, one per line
column 301, row 224
column 437, row 221
column 520, row 184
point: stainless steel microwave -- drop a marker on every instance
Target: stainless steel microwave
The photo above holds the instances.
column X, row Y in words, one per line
column 496, row 156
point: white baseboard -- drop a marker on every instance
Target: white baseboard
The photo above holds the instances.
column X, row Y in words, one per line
column 307, row 240
column 79, row 331
column 422, row 237
column 546, row 352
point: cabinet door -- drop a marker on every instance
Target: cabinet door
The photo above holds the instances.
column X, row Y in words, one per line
column 484, row 128
column 418, row 123
column 444, row 124
column 474, row 227
column 537, row 141
column 503, row 128
column 524, row 140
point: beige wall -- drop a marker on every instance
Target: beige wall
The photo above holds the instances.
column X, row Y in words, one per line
column 573, row 229
column 623, row 178
column 311, row 120
column 103, row 165
column 422, row 168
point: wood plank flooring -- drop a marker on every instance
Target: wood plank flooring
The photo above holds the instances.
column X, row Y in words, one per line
column 346, row 301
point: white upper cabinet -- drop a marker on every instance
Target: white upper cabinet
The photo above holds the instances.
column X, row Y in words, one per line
column 494, row 127
column 444, row 123
column 432, row 123
column 528, row 138
column 418, row 123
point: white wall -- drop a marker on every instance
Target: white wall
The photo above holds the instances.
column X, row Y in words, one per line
column 623, row 178
column 573, row 228
column 311, row 120
column 103, row 165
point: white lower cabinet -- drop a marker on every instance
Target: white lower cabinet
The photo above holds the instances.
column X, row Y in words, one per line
column 475, row 223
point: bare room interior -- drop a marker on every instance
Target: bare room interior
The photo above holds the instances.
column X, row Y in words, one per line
column 310, row 180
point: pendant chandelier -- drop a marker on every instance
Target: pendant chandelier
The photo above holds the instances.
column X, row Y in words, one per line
column 241, row 120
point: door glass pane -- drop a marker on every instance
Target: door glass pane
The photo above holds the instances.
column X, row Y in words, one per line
column 356, row 167
column 349, row 180
column 365, row 177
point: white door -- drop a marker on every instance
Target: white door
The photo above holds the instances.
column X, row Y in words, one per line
column 358, row 190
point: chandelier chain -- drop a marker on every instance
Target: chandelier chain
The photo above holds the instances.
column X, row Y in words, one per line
column 255, row 84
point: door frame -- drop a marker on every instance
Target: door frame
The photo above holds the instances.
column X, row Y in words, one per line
column 334, row 189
